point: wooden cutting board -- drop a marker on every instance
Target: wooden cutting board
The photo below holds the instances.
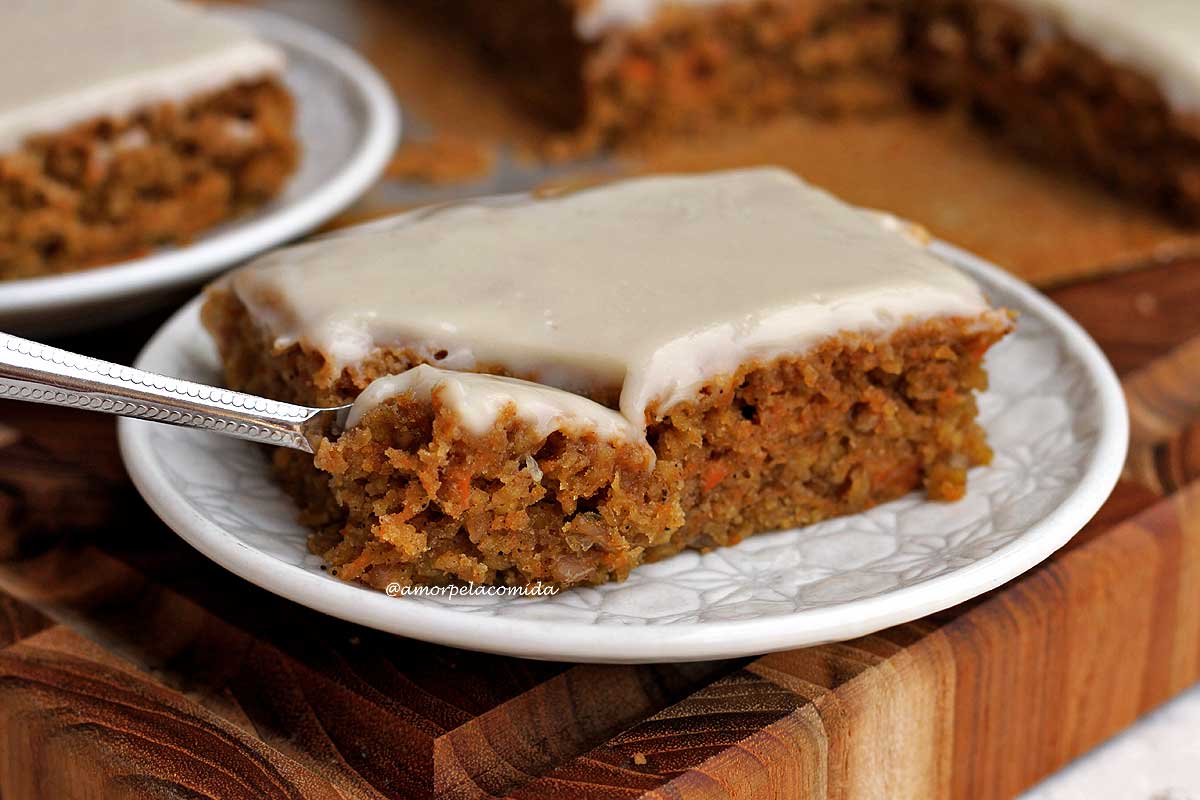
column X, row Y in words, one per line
column 133, row 667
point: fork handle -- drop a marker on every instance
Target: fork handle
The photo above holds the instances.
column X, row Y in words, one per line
column 39, row 373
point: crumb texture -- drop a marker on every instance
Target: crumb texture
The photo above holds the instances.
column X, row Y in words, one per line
column 111, row 189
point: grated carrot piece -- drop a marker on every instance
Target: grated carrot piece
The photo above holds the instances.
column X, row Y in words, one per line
column 714, row 473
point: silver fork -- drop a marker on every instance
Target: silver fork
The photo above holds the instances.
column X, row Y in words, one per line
column 42, row 374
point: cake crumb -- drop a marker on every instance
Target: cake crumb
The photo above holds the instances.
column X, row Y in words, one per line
column 445, row 159
column 639, row 759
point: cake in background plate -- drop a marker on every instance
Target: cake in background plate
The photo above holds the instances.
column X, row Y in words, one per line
column 1108, row 87
column 127, row 124
column 616, row 70
column 558, row 389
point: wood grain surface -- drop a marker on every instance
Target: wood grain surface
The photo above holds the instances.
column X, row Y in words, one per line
column 130, row 666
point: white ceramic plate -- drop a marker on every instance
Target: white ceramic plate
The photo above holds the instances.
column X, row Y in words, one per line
column 1054, row 413
column 347, row 124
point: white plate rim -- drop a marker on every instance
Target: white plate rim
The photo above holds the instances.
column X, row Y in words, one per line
column 566, row 641
column 208, row 256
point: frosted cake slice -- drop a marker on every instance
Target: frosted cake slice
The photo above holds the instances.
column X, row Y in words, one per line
column 125, row 124
column 559, row 389
column 1108, row 87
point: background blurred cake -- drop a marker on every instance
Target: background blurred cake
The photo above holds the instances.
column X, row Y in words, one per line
column 126, row 124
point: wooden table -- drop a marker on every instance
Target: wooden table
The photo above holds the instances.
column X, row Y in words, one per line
column 130, row 666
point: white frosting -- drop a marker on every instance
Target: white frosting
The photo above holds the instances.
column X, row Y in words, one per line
column 603, row 16
column 650, row 287
column 67, row 61
column 478, row 401
column 1159, row 38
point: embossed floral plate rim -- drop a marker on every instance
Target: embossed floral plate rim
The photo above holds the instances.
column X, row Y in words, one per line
column 162, row 460
column 330, row 81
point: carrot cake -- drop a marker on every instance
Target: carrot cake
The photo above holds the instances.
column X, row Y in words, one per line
column 619, row 69
column 558, row 389
column 1110, row 87
column 126, row 124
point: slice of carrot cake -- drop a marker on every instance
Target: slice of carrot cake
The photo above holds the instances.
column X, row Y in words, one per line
column 559, row 389
column 126, row 124
column 1111, row 87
